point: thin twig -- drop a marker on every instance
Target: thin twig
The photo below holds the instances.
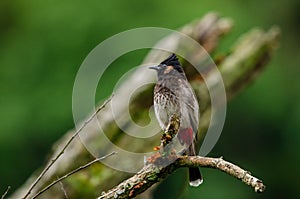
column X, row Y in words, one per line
column 72, row 172
column 5, row 193
column 64, row 148
column 151, row 174
column 63, row 190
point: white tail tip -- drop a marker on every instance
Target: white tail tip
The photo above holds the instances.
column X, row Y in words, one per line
column 196, row 183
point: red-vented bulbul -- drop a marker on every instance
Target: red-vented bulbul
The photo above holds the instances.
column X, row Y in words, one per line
column 173, row 96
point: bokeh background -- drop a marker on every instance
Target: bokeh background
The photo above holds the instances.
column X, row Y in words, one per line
column 43, row 43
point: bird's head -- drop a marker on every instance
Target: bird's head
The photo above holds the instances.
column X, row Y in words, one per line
column 169, row 66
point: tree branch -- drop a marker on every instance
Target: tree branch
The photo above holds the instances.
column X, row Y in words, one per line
column 5, row 193
column 239, row 68
column 225, row 166
column 71, row 173
column 151, row 174
column 63, row 149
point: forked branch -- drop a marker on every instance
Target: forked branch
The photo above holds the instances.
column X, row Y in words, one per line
column 239, row 67
column 151, row 174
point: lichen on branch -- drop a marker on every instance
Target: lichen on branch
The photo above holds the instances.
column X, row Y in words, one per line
column 238, row 68
column 152, row 174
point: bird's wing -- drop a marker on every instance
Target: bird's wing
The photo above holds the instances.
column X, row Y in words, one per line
column 189, row 106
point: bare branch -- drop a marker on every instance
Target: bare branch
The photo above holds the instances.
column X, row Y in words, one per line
column 239, row 67
column 225, row 166
column 63, row 190
column 151, row 174
column 5, row 193
column 71, row 173
column 64, row 148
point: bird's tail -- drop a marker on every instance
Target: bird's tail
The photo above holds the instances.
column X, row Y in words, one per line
column 195, row 177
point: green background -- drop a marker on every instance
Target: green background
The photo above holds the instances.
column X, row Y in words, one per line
column 43, row 43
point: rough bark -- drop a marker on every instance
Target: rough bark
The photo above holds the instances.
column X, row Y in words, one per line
column 151, row 174
column 238, row 68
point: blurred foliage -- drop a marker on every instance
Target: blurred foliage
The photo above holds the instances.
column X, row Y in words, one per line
column 43, row 43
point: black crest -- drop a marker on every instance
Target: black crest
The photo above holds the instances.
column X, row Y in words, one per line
column 172, row 60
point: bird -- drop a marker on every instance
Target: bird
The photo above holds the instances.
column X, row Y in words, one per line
column 174, row 96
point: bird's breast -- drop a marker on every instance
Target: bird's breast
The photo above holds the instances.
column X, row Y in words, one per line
column 166, row 104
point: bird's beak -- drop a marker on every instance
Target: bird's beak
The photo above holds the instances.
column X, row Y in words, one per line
column 154, row 67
